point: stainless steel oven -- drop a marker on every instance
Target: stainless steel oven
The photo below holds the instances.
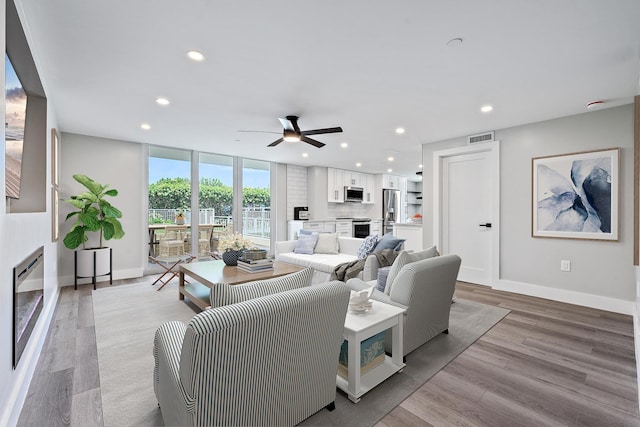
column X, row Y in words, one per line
column 361, row 227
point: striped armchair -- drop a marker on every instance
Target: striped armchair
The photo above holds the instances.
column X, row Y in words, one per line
column 266, row 361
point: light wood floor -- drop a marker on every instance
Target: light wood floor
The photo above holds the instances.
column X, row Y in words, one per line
column 545, row 363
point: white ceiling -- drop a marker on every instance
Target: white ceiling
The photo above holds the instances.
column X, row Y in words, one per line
column 367, row 66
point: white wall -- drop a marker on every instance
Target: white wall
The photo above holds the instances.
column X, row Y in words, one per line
column 119, row 164
column 22, row 233
column 602, row 274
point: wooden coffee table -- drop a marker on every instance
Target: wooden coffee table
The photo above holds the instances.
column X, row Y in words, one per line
column 208, row 273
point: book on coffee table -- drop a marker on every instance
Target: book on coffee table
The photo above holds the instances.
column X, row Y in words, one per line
column 255, row 265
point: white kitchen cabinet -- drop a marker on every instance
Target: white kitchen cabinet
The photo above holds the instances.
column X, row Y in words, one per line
column 354, row 179
column 391, row 181
column 344, row 228
column 335, row 185
column 412, row 233
column 369, row 189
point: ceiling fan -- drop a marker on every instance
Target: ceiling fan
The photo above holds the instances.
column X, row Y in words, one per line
column 292, row 132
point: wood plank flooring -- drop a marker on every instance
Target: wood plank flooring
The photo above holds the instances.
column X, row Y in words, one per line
column 545, row 363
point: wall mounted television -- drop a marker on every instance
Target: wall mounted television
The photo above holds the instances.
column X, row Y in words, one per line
column 15, row 115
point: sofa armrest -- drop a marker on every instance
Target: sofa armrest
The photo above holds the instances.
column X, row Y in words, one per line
column 285, row 246
column 167, row 348
column 349, row 245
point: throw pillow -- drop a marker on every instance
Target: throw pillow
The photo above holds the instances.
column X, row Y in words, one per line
column 405, row 258
column 225, row 294
column 388, row 241
column 307, row 232
column 327, row 244
column 305, row 244
column 367, row 246
column 383, row 274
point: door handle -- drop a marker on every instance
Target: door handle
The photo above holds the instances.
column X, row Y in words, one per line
column 488, row 225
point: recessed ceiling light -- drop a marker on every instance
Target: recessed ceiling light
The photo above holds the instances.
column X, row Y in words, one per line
column 389, row 170
column 145, row 126
column 195, row 55
column 454, row 42
column 399, row 131
column 486, row 108
column 344, row 145
column 162, row 101
column 594, row 104
column 358, row 164
column 420, row 166
column 305, row 154
column 390, row 158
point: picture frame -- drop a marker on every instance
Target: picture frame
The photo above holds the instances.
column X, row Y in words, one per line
column 576, row 195
column 55, row 158
column 55, row 226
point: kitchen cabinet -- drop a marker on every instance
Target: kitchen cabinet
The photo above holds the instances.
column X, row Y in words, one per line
column 412, row 233
column 369, row 189
column 335, row 185
column 314, row 226
column 354, row 179
column 344, row 228
column 391, row 182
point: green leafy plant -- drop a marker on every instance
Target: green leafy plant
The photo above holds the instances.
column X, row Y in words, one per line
column 94, row 214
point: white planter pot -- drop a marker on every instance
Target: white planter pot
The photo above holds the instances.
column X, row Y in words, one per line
column 84, row 259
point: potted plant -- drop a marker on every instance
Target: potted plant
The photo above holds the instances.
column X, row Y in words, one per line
column 232, row 246
column 180, row 217
column 94, row 214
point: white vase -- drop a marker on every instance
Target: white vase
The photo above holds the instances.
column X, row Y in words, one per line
column 84, row 259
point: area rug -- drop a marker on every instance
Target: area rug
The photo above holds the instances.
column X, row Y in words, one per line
column 126, row 318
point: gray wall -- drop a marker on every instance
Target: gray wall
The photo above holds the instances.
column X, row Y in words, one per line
column 120, row 164
column 598, row 268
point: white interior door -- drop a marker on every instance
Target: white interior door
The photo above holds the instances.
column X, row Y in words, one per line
column 467, row 203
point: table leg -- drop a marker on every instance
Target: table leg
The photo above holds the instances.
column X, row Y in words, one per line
column 396, row 341
column 354, row 368
column 180, row 285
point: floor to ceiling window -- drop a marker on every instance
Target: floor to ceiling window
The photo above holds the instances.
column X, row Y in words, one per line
column 169, row 192
column 215, row 197
column 256, row 202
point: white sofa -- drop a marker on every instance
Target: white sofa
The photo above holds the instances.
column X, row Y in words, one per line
column 324, row 264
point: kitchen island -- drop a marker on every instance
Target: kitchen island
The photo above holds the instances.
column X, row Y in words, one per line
column 411, row 232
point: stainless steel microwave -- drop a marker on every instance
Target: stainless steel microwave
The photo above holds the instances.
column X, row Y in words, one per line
column 353, row 194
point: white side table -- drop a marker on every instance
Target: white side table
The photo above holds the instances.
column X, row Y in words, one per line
column 359, row 327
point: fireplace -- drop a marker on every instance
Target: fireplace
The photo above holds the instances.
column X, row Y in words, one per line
column 28, row 296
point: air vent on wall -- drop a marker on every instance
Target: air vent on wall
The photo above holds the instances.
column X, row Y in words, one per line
column 481, row 137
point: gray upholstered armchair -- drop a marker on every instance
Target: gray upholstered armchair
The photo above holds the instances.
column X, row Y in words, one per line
column 425, row 289
column 265, row 361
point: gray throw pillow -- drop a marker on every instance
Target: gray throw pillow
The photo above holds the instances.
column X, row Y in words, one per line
column 388, row 241
column 383, row 274
column 305, row 244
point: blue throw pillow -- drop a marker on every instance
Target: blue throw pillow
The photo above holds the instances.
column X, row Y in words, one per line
column 383, row 274
column 388, row 241
column 307, row 232
column 305, row 244
column 367, row 246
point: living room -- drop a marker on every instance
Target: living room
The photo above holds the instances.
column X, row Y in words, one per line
column 602, row 275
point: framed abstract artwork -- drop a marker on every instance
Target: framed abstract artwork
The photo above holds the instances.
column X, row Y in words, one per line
column 576, row 195
column 55, row 162
column 55, row 227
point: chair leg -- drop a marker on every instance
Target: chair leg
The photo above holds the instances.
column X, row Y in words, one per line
column 331, row 406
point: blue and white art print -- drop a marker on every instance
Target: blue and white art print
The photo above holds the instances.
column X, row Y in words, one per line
column 576, row 195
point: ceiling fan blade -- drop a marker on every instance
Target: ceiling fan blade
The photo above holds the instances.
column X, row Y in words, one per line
column 286, row 123
column 276, row 142
column 312, row 141
column 259, row 131
column 318, row 131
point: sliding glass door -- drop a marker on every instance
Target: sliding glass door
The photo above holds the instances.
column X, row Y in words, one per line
column 256, row 202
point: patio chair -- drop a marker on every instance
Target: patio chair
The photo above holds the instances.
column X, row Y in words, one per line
column 172, row 242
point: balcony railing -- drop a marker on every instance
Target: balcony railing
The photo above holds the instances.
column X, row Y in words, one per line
column 256, row 221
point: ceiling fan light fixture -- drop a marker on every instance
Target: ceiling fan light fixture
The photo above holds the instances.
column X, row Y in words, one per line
column 291, row 136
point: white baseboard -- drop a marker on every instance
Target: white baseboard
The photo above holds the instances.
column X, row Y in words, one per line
column 117, row 275
column 578, row 298
column 27, row 365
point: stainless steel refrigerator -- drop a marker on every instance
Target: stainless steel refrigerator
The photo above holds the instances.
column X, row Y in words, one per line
column 390, row 209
